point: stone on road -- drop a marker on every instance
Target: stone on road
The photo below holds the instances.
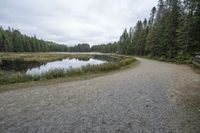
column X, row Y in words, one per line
column 154, row 97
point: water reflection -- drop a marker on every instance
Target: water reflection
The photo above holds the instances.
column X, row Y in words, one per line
column 63, row 64
column 18, row 65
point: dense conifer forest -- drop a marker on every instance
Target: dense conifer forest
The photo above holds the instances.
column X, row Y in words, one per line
column 11, row 40
column 172, row 31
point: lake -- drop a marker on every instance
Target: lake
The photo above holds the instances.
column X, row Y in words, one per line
column 37, row 68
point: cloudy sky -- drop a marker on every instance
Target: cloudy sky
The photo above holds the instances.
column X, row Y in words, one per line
column 74, row 21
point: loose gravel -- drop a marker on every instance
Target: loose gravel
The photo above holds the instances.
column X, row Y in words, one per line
column 150, row 98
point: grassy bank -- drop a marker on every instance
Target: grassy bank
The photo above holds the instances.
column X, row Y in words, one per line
column 41, row 57
column 106, row 67
column 19, row 77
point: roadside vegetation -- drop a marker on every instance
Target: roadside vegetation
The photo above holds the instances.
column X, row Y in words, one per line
column 178, row 59
column 9, row 77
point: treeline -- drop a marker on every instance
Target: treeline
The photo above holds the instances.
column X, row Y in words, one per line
column 11, row 40
column 171, row 32
column 105, row 48
column 79, row 48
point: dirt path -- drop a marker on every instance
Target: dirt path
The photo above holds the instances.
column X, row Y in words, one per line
column 153, row 97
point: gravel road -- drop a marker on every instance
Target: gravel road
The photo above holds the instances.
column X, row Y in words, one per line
column 154, row 97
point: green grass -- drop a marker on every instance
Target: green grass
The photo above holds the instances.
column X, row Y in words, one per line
column 19, row 77
column 10, row 78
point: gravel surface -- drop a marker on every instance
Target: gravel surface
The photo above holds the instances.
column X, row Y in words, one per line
column 154, row 97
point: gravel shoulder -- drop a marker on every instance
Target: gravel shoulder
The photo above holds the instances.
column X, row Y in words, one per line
column 153, row 97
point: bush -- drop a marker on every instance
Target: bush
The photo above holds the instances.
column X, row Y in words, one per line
column 183, row 58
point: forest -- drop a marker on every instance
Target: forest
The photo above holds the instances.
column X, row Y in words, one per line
column 11, row 40
column 171, row 32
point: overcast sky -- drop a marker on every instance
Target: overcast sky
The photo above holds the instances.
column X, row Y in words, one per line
column 74, row 21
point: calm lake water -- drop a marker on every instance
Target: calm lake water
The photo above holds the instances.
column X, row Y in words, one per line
column 37, row 68
column 63, row 64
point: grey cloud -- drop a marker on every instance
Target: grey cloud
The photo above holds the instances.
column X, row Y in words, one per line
column 77, row 21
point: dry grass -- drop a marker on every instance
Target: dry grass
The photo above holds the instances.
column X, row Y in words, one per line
column 40, row 56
